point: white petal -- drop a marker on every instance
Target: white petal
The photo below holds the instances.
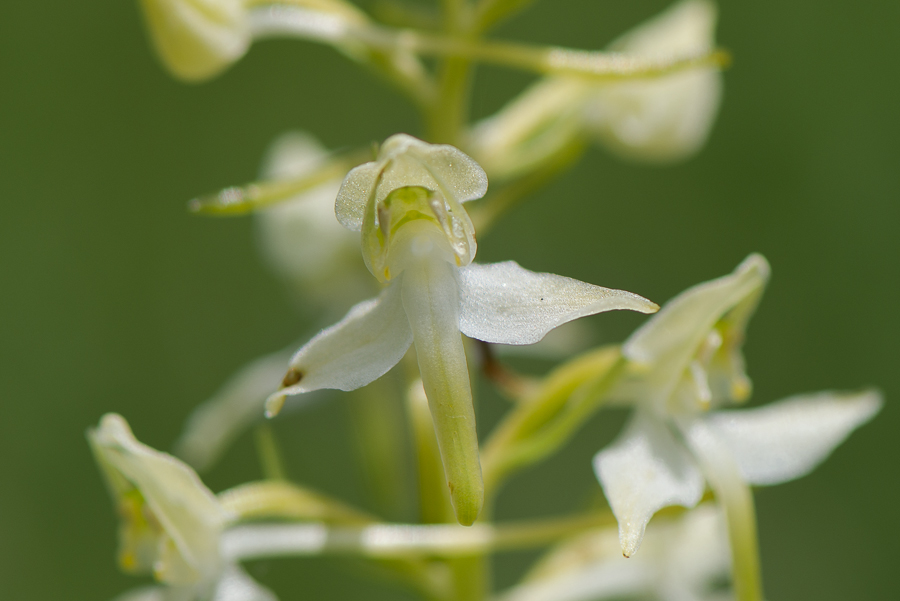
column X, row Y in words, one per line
column 214, row 425
column 407, row 161
column 236, row 585
column 188, row 511
column 197, row 38
column 668, row 117
column 644, row 470
column 506, row 304
column 788, row 439
column 363, row 346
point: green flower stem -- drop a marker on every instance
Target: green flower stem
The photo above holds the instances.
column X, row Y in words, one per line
column 278, row 499
column 285, row 501
column 547, row 60
column 269, row 453
column 736, row 499
column 448, row 114
column 376, row 418
column 245, row 199
column 490, row 12
column 393, row 541
column 540, row 425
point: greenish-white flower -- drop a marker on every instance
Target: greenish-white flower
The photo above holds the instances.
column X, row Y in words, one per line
column 170, row 523
column 662, row 118
column 685, row 361
column 198, row 39
column 418, row 240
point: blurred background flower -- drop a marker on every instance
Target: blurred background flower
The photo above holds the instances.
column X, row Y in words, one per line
column 115, row 298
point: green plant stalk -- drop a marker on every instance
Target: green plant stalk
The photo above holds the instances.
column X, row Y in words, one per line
column 283, row 500
column 377, row 420
column 539, row 426
column 270, row 457
column 404, row 541
column 240, row 200
column 736, row 500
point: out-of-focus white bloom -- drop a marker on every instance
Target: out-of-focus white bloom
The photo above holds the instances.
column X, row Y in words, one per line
column 658, row 119
column 171, row 524
column 668, row 117
column 198, row 39
column 418, row 239
column 682, row 560
column 686, row 360
column 301, row 238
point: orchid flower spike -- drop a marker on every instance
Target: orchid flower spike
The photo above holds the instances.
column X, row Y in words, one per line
column 683, row 362
column 418, row 240
column 660, row 119
column 171, row 524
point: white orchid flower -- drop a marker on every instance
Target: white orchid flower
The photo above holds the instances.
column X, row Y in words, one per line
column 419, row 241
column 660, row 119
column 684, row 361
column 171, row 524
column 198, row 39
column 682, row 560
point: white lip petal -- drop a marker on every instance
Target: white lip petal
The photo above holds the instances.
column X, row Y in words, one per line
column 506, row 304
column 788, row 439
column 644, row 470
column 363, row 346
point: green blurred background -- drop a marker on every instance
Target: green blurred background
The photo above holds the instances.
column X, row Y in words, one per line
column 114, row 298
